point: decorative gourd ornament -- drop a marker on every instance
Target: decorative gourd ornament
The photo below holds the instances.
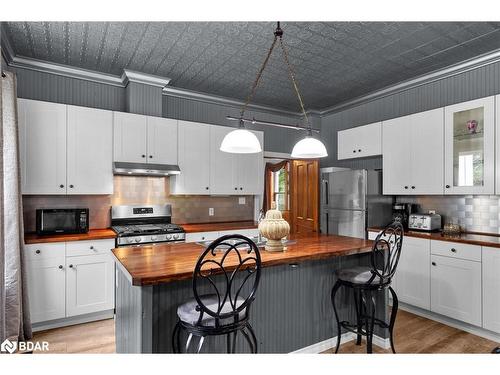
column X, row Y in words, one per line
column 274, row 228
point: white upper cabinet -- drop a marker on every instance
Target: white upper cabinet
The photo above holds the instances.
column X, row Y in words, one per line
column 162, row 140
column 130, row 137
column 65, row 149
column 42, row 144
column 470, row 147
column 250, row 170
column 194, row 159
column 497, row 134
column 411, row 145
column 223, row 165
column 396, row 157
column 90, row 151
column 361, row 141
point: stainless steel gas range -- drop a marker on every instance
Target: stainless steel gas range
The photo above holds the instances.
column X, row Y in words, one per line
column 144, row 224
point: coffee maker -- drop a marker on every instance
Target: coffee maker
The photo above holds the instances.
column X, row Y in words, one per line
column 402, row 211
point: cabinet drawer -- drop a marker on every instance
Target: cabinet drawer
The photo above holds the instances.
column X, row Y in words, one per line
column 44, row 251
column 79, row 248
column 201, row 236
column 456, row 250
column 244, row 232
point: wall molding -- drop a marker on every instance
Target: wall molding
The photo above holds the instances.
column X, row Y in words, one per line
column 437, row 75
column 147, row 79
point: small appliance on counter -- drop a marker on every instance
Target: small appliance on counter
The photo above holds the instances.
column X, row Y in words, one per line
column 401, row 212
column 144, row 224
column 62, row 221
column 424, row 222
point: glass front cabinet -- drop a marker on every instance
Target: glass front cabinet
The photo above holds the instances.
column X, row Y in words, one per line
column 469, row 147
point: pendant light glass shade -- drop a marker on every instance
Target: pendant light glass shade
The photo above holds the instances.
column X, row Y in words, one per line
column 241, row 141
column 309, row 148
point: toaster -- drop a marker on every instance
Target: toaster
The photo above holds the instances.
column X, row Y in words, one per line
column 426, row 222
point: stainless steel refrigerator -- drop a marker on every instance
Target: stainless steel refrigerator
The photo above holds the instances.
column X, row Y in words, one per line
column 352, row 201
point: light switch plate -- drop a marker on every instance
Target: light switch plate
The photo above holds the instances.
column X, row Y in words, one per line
column 242, row 200
column 211, row 211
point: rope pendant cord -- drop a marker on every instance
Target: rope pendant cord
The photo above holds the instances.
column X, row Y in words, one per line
column 277, row 34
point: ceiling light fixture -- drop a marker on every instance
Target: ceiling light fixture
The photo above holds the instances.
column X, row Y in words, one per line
column 242, row 141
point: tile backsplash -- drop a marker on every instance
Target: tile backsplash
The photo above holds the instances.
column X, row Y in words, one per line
column 477, row 213
column 138, row 190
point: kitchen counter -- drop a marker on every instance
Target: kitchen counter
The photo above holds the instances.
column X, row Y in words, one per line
column 292, row 308
column 221, row 226
column 93, row 234
column 473, row 238
column 162, row 263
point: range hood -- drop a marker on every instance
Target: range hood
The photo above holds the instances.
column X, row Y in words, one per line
column 145, row 169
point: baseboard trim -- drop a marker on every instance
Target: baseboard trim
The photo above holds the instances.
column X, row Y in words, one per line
column 478, row 331
column 64, row 322
column 331, row 343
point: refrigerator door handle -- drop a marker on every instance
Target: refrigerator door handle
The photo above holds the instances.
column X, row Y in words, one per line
column 327, row 221
column 326, row 192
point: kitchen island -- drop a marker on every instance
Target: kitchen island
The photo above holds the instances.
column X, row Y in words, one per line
column 292, row 309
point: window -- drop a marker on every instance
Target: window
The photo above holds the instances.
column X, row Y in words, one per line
column 280, row 189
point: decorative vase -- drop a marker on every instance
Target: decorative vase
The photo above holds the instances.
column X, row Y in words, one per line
column 274, row 228
column 472, row 126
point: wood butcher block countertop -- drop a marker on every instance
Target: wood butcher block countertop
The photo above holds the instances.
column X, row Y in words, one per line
column 93, row 234
column 473, row 238
column 162, row 263
column 221, row 226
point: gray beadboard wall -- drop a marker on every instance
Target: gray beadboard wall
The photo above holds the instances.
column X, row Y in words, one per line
column 473, row 84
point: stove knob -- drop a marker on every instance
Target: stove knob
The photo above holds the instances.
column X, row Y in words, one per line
column 130, row 240
column 176, row 236
column 153, row 238
column 138, row 239
column 169, row 236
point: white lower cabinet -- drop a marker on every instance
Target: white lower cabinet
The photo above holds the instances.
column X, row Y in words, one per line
column 491, row 289
column 210, row 236
column 89, row 284
column 62, row 286
column 412, row 278
column 456, row 288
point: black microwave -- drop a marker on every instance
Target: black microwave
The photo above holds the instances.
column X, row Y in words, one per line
column 62, row 220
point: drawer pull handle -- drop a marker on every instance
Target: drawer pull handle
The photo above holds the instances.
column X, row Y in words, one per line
column 433, row 263
column 91, row 247
column 453, row 250
column 70, row 266
column 37, row 252
column 294, row 265
column 60, row 267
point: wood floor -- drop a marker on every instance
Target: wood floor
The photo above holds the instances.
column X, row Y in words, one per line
column 413, row 334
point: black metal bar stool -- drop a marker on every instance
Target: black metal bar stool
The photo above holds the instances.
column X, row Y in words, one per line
column 235, row 260
column 366, row 282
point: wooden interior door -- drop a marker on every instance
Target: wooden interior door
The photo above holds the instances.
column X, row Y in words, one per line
column 304, row 196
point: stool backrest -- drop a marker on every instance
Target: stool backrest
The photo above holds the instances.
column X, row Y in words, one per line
column 386, row 252
column 236, row 259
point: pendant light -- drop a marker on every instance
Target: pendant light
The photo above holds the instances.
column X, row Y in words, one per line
column 242, row 141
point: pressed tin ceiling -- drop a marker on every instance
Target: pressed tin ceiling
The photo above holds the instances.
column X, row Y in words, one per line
column 334, row 61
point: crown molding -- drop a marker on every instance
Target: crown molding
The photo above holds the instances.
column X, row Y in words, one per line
column 147, row 79
column 7, row 50
column 437, row 75
column 215, row 99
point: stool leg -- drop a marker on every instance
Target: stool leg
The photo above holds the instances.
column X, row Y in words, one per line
column 233, row 349
column 228, row 343
column 200, row 344
column 248, row 339
column 358, row 306
column 370, row 323
column 188, row 342
column 254, row 338
column 176, row 338
column 339, row 327
column 393, row 317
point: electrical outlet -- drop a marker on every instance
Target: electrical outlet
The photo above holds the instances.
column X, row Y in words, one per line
column 211, row 211
column 242, row 200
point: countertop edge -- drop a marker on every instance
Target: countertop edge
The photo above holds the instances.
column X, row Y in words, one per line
column 93, row 234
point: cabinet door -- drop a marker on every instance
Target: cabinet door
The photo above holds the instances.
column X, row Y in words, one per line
column 129, row 137
column 413, row 273
column 194, row 159
column 456, row 288
column 90, row 151
column 497, row 136
column 470, row 147
column 224, row 166
column 361, row 141
column 46, row 288
column 42, row 144
column 162, row 140
column 491, row 289
column 396, row 156
column 89, row 284
column 250, row 171
column 427, row 152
